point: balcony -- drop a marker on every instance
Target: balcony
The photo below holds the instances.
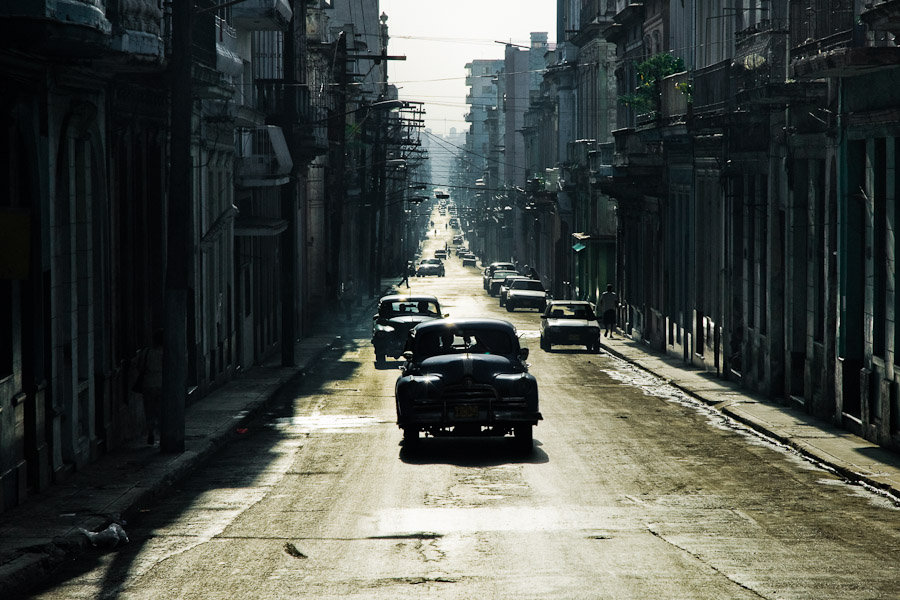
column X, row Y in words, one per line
column 713, row 90
column 228, row 59
column 675, row 96
column 262, row 156
column 262, row 15
column 58, row 28
column 137, row 34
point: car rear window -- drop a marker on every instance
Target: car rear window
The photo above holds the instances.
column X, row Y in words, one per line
column 406, row 307
column 571, row 311
column 527, row 284
column 503, row 274
column 457, row 341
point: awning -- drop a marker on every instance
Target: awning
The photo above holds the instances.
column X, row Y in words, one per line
column 258, row 226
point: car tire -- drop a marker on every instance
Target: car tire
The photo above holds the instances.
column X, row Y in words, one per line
column 379, row 357
column 502, row 302
column 509, row 306
column 545, row 344
column 524, row 435
column 410, row 437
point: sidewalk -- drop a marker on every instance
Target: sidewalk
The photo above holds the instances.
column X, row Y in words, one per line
column 45, row 531
column 851, row 456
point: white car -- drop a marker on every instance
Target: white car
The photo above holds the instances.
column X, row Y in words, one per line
column 526, row 293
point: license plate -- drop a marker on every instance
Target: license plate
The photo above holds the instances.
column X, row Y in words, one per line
column 465, row 411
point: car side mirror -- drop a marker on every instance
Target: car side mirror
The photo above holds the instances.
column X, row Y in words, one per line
column 523, row 353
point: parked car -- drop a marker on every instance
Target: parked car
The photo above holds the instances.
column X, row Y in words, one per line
column 489, row 271
column 461, row 250
column 504, row 287
column 469, row 260
column 497, row 279
column 440, row 253
column 457, row 239
column 466, row 377
column 396, row 316
column 570, row 322
column 526, row 293
column 430, row 266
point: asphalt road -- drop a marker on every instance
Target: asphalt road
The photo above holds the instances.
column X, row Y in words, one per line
column 632, row 491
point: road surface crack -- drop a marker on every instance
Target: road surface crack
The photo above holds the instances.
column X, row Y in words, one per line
column 699, row 558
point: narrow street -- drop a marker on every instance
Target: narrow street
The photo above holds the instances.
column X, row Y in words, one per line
column 632, row 491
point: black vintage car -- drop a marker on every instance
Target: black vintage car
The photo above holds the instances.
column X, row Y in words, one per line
column 466, row 377
column 396, row 316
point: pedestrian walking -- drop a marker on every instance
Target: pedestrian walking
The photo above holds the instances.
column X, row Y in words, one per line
column 149, row 384
column 406, row 272
column 609, row 302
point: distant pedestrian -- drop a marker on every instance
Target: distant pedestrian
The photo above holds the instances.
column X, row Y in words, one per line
column 149, row 384
column 348, row 297
column 609, row 302
column 409, row 268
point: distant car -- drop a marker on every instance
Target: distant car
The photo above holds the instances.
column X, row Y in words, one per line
column 489, row 270
column 462, row 250
column 440, row 253
column 430, row 266
column 457, row 239
column 570, row 322
column 396, row 316
column 454, row 222
column 466, row 377
column 469, row 260
column 504, row 287
column 497, row 279
column 526, row 293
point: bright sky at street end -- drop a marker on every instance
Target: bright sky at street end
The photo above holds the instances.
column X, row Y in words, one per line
column 438, row 38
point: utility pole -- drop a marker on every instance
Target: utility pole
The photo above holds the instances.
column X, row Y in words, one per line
column 178, row 245
column 289, row 207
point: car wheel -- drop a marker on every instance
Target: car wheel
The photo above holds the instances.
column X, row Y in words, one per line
column 509, row 306
column 410, row 436
column 502, row 302
column 545, row 344
column 379, row 357
column 524, row 437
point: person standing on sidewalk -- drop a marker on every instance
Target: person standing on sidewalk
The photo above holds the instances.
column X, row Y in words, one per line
column 149, row 384
column 609, row 302
column 348, row 297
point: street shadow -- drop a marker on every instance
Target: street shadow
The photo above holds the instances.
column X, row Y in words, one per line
column 569, row 350
column 389, row 364
column 472, row 452
column 241, row 461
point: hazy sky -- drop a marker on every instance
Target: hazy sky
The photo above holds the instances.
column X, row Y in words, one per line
column 438, row 38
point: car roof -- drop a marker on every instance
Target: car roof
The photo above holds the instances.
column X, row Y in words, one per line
column 499, row 271
column 470, row 323
column 402, row 298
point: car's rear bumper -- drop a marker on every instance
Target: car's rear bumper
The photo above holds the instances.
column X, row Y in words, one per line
column 580, row 337
column 526, row 301
column 465, row 415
